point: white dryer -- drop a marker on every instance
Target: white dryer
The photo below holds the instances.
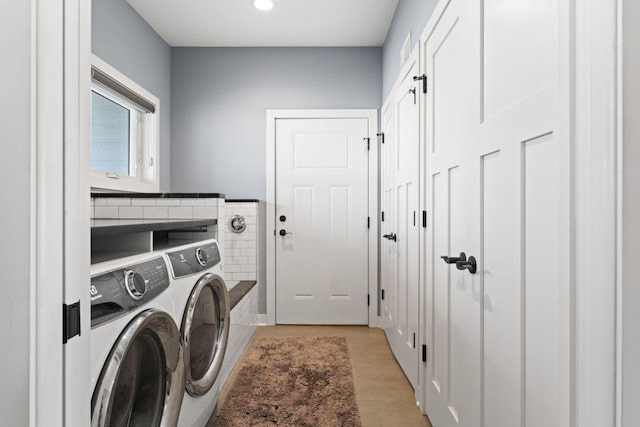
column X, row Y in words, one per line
column 201, row 297
column 137, row 372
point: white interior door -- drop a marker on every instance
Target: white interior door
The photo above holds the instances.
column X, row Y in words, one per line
column 322, row 221
column 498, row 181
column 405, row 223
column 387, row 247
column 453, row 380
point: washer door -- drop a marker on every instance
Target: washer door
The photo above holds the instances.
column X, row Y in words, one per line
column 205, row 332
column 142, row 382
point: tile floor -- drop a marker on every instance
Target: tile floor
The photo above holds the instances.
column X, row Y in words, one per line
column 385, row 397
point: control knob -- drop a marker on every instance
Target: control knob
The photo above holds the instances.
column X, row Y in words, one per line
column 135, row 284
column 202, row 257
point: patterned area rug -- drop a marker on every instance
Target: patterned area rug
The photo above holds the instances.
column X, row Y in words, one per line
column 293, row 381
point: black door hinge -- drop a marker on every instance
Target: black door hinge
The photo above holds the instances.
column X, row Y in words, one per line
column 368, row 300
column 414, row 340
column 70, row 321
column 368, row 143
column 382, row 294
column 368, row 222
column 381, row 136
column 424, row 219
column 424, row 81
column 382, row 219
column 424, row 353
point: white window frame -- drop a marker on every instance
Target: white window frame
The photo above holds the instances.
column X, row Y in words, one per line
column 144, row 155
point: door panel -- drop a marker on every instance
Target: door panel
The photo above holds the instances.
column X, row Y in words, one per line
column 453, row 329
column 387, row 247
column 497, row 170
column 406, row 164
column 322, row 190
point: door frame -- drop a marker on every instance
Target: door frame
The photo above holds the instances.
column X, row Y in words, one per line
column 272, row 116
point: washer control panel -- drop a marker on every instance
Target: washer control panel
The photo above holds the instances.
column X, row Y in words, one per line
column 194, row 259
column 117, row 292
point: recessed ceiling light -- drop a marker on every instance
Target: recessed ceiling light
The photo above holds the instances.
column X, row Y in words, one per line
column 263, row 4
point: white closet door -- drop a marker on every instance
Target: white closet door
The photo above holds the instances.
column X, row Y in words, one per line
column 387, row 247
column 404, row 340
column 498, row 181
column 454, row 309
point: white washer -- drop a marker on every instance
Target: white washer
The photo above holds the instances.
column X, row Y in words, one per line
column 137, row 372
column 202, row 300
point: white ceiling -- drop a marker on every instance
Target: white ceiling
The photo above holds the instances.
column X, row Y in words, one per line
column 289, row 23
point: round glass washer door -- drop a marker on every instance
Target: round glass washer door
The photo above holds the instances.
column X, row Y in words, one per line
column 142, row 382
column 205, row 332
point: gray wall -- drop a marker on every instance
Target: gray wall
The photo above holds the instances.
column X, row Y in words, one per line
column 125, row 41
column 411, row 16
column 15, row 192
column 220, row 97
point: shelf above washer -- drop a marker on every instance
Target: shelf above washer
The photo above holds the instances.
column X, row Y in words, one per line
column 103, row 227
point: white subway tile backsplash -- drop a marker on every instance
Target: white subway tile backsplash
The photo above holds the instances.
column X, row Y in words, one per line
column 206, row 212
column 130, row 212
column 249, row 235
column 143, row 202
column 249, row 252
column 192, row 202
column 167, row 202
column 118, row 201
column 241, row 248
column 181, row 212
column 100, row 201
column 230, row 268
column 156, row 212
column 249, row 268
column 106, row 212
column 240, row 260
column 213, row 202
column 241, row 244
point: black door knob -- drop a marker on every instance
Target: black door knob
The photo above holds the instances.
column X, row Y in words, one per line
column 284, row 232
column 453, row 260
column 469, row 264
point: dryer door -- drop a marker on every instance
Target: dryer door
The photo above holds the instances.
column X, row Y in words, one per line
column 142, row 382
column 205, row 331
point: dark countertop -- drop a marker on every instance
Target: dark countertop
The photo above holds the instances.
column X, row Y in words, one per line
column 162, row 195
column 242, row 201
column 103, row 227
column 239, row 291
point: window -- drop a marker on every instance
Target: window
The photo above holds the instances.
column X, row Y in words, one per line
column 124, row 132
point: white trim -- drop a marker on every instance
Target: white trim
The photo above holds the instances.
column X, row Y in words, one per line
column 77, row 246
column 272, row 115
column 147, row 178
column 595, row 118
column 619, row 63
column 46, row 293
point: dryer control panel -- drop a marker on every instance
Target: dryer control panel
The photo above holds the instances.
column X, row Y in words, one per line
column 194, row 259
column 119, row 291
